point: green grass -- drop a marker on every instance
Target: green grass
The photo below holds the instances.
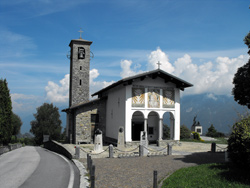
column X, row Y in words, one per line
column 218, row 141
column 209, row 176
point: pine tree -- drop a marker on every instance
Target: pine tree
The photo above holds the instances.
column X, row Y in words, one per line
column 5, row 113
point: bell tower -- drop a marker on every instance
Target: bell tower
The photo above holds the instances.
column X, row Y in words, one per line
column 79, row 71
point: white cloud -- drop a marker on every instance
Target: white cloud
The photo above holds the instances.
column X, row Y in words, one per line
column 210, row 77
column 159, row 56
column 58, row 93
column 22, row 104
column 126, row 70
column 96, row 85
column 212, row 96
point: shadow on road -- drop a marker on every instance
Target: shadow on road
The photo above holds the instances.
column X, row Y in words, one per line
column 203, row 158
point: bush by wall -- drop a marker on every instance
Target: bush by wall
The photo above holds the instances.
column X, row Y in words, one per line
column 239, row 143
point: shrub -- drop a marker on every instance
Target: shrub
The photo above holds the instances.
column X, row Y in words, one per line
column 184, row 132
column 166, row 132
column 196, row 136
column 239, row 143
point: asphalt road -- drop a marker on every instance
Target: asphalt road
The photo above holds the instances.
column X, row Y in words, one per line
column 30, row 167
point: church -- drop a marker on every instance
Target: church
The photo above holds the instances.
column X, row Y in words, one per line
column 133, row 104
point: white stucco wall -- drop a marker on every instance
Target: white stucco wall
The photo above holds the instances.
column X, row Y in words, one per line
column 115, row 111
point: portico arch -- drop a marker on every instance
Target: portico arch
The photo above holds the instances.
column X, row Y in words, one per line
column 153, row 127
column 137, row 125
column 169, row 120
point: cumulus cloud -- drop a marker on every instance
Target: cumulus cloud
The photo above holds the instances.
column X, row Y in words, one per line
column 209, row 77
column 159, row 56
column 126, row 68
column 96, row 85
column 58, row 93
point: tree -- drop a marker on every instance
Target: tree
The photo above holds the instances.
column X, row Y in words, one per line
column 166, row 131
column 16, row 124
column 47, row 122
column 5, row 113
column 241, row 82
column 212, row 132
column 184, row 132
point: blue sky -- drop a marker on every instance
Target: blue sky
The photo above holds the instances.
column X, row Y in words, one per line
column 197, row 40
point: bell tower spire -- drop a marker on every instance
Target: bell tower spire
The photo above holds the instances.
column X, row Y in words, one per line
column 79, row 71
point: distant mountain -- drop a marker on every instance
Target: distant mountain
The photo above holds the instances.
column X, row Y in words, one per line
column 220, row 110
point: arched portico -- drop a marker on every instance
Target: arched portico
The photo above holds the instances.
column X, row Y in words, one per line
column 170, row 121
column 154, row 127
column 137, row 125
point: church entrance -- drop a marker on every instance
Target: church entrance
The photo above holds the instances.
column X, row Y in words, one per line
column 137, row 125
column 153, row 127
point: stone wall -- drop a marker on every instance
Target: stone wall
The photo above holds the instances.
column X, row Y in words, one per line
column 10, row 147
column 84, row 128
column 58, row 148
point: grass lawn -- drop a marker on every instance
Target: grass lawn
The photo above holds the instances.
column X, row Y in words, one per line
column 209, row 175
column 217, row 141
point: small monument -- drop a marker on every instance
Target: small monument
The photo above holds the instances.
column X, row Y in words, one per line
column 120, row 142
column 144, row 143
column 98, row 147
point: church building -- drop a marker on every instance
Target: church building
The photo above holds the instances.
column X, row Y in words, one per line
column 133, row 104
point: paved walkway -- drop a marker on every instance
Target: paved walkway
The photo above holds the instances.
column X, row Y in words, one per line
column 137, row 172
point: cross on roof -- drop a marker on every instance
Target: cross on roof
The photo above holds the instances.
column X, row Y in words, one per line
column 159, row 65
column 81, row 31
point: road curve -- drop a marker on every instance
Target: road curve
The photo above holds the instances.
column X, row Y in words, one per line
column 37, row 167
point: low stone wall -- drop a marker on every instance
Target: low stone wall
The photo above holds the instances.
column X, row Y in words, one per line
column 10, row 147
column 58, row 148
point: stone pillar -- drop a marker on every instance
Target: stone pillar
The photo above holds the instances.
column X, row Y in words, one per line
column 143, row 144
column 160, row 129
column 145, row 125
column 171, row 127
column 121, row 141
column 77, row 152
column 98, row 146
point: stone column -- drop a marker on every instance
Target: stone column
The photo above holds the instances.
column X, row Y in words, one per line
column 145, row 125
column 172, row 129
column 160, row 129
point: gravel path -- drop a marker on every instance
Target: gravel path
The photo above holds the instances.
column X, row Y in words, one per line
column 138, row 171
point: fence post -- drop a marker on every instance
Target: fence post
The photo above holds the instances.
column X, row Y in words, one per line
column 90, row 165
column 169, row 149
column 155, row 179
column 92, row 177
column 140, row 150
column 110, row 151
column 88, row 161
column 213, row 147
column 77, row 152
